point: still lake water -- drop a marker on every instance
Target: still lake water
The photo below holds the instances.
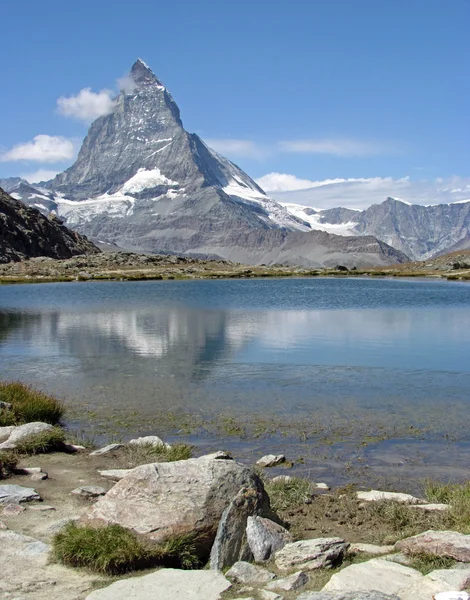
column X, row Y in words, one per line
column 373, row 374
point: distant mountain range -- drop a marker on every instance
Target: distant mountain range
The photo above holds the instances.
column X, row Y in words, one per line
column 142, row 182
column 418, row 231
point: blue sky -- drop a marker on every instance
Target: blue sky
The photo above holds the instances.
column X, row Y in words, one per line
column 311, row 89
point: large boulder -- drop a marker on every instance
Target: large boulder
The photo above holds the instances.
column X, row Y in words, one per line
column 21, row 432
column 161, row 500
column 265, row 537
column 27, row 573
column 318, row 553
column 440, row 543
column 376, row 575
column 13, row 494
column 346, row 596
column 230, row 544
column 166, row 584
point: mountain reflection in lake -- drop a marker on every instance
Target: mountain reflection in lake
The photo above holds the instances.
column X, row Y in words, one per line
column 244, row 347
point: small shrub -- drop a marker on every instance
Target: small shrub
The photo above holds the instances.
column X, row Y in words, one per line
column 7, row 417
column 425, row 563
column 8, row 463
column 114, row 550
column 40, row 443
column 147, row 453
column 457, row 496
column 29, row 405
column 286, row 495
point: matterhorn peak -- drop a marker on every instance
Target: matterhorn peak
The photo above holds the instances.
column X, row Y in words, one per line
column 142, row 74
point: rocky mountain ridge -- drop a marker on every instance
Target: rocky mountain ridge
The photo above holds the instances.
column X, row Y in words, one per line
column 144, row 183
column 25, row 233
column 418, row 231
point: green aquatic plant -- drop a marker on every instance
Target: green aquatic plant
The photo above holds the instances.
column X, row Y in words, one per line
column 28, row 405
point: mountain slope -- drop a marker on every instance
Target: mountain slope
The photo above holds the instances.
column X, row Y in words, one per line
column 418, row 231
column 25, row 233
column 144, row 183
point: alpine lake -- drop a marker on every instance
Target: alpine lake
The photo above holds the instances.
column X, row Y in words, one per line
column 355, row 380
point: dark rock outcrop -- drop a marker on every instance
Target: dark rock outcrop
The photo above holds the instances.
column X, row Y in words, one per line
column 25, row 233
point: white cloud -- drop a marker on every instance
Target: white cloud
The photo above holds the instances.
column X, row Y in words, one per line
column 238, row 148
column 126, row 84
column 39, row 175
column 42, row 148
column 86, row 105
column 282, row 182
column 336, row 147
column 363, row 192
column 344, row 147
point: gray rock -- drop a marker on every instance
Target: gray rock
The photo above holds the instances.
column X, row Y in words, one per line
column 6, row 431
column 265, row 537
column 166, row 584
column 106, row 449
column 13, row 494
column 376, row 496
column 289, row 584
column 245, row 572
column 267, row 595
column 400, row 558
column 436, row 582
column 31, row 470
column 282, row 479
column 12, row 510
column 161, row 500
column 370, row 549
column 26, row 572
column 431, row 507
column 271, row 460
column 322, row 486
column 230, row 544
column 21, row 432
column 311, row 554
column 5, row 406
column 39, row 476
column 41, row 507
column 58, row 525
column 362, row 595
column 114, row 474
column 374, row 575
column 148, row 440
column 89, row 491
column 439, row 543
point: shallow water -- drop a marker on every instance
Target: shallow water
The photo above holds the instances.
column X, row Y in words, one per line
column 334, row 371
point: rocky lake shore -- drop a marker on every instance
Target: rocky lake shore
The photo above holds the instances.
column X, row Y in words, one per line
column 128, row 266
column 130, row 518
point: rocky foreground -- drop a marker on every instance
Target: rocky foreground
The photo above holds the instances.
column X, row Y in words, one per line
column 251, row 551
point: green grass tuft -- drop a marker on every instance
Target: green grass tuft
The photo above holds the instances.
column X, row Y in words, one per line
column 40, row 443
column 457, row 496
column 135, row 455
column 114, row 550
column 28, row 405
column 8, row 463
column 286, row 495
column 425, row 563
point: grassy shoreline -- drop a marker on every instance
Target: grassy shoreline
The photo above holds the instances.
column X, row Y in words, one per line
column 122, row 266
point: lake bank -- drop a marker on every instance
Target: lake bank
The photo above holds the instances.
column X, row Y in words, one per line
column 126, row 266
